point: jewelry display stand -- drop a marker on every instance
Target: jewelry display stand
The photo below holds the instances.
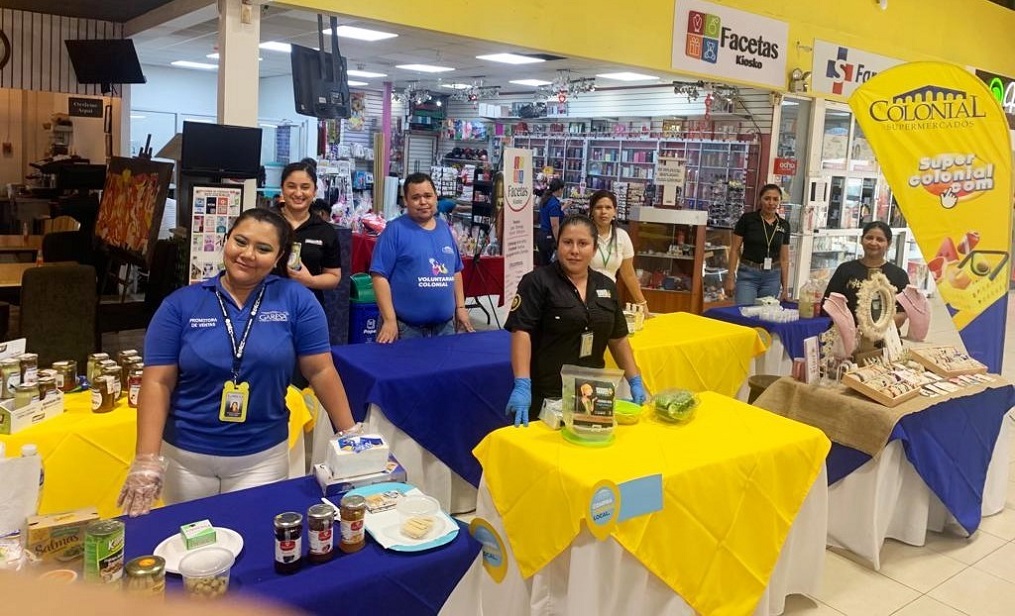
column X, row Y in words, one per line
column 946, row 361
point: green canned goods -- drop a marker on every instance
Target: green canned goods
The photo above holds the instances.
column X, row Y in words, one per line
column 104, row 542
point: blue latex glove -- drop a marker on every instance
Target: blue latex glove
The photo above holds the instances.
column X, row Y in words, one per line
column 637, row 389
column 520, row 400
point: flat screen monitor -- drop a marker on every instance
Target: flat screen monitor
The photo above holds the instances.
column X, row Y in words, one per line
column 220, row 150
column 319, row 94
column 71, row 178
column 105, row 61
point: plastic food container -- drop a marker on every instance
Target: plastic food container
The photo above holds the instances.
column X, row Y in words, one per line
column 206, row 572
column 626, row 412
column 588, row 396
column 418, row 515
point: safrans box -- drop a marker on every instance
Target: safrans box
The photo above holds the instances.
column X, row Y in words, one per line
column 332, row 486
column 14, row 420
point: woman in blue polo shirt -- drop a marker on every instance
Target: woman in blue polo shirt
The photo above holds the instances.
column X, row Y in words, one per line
column 219, row 356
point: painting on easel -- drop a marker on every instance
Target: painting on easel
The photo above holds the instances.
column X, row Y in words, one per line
column 132, row 202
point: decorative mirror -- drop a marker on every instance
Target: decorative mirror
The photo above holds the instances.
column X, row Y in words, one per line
column 875, row 306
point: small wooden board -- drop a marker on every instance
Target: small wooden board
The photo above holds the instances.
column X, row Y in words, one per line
column 875, row 395
column 929, row 364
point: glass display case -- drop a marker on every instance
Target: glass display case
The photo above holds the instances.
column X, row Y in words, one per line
column 821, row 252
column 716, row 267
column 669, row 253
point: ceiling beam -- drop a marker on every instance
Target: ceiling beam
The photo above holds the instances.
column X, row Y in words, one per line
column 182, row 14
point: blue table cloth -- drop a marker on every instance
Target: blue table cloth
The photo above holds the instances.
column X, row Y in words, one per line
column 792, row 334
column 950, row 445
column 445, row 393
column 370, row 581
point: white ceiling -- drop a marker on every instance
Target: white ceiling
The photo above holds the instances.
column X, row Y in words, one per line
column 194, row 36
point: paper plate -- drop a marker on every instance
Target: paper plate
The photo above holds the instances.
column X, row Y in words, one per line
column 385, row 527
column 173, row 549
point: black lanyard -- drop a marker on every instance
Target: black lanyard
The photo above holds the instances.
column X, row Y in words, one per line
column 239, row 348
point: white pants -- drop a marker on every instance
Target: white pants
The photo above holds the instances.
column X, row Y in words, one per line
column 192, row 475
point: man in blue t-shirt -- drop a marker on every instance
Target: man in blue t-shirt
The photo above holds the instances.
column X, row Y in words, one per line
column 416, row 270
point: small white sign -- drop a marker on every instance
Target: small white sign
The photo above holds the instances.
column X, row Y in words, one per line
column 670, row 177
column 716, row 40
column 839, row 70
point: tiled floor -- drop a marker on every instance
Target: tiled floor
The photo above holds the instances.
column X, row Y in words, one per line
column 950, row 575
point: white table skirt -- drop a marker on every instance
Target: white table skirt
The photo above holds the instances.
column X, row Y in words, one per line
column 887, row 498
column 585, row 579
column 424, row 470
column 775, row 360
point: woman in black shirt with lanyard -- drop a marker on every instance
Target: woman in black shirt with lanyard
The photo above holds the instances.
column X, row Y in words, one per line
column 763, row 268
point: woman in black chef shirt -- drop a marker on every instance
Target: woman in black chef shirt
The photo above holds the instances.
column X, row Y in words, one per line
column 319, row 266
column 565, row 313
column 762, row 270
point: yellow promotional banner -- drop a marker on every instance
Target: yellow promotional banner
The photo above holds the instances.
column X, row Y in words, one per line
column 942, row 142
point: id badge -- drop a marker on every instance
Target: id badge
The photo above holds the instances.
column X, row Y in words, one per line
column 767, row 265
column 586, row 346
column 234, row 402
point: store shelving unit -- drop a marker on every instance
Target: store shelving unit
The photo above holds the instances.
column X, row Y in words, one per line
column 669, row 257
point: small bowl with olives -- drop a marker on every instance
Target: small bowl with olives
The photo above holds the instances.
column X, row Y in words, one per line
column 206, row 572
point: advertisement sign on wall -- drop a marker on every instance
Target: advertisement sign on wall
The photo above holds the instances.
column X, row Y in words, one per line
column 942, row 142
column 216, row 207
column 518, row 208
column 1003, row 90
column 717, row 40
column 840, row 70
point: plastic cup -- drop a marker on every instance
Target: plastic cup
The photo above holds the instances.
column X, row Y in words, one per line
column 206, row 572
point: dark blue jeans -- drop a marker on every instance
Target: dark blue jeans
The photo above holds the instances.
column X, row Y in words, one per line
column 754, row 283
column 406, row 331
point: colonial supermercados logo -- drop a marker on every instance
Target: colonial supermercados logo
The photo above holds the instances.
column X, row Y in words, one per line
column 927, row 107
column 841, row 70
column 706, row 36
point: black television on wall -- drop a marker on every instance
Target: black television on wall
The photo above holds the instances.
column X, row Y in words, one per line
column 317, row 90
column 220, row 150
column 104, row 61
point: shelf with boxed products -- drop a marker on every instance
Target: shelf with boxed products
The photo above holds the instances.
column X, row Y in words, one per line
column 669, row 255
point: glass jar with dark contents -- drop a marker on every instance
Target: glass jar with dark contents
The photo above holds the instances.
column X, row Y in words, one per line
column 288, row 542
column 320, row 524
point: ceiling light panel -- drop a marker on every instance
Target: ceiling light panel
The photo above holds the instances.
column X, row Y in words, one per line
column 276, row 46
column 456, row 86
column 424, row 68
column 367, row 74
column 204, row 66
column 532, row 83
column 509, row 58
column 360, row 34
column 628, row 76
column 357, row 83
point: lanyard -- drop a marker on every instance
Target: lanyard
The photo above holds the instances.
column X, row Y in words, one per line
column 609, row 254
column 768, row 239
column 240, row 347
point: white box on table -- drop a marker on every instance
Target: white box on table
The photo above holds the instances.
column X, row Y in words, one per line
column 336, row 486
column 360, row 454
column 14, row 420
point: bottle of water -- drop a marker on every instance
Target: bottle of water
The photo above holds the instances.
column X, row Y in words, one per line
column 28, row 450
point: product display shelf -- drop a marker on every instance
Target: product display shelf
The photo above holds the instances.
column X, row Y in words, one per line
column 715, row 270
column 669, row 257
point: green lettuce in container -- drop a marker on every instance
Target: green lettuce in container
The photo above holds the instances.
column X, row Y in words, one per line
column 675, row 405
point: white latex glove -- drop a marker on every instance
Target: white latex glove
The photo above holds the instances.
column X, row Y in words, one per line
column 143, row 484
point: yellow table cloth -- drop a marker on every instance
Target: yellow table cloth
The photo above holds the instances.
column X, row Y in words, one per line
column 86, row 455
column 693, row 352
column 734, row 478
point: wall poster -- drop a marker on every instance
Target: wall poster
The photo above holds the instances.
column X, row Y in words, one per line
column 132, row 202
column 215, row 209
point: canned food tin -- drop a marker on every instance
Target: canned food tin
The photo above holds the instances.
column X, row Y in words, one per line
column 146, row 575
column 104, row 542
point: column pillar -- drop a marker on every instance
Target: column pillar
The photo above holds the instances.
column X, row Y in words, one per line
column 238, row 76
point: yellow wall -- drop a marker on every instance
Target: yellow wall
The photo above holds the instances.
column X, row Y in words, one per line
column 966, row 32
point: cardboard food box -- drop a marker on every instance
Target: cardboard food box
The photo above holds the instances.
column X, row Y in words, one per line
column 14, row 420
column 59, row 536
column 332, row 486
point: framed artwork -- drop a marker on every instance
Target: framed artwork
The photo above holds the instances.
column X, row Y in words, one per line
column 132, row 202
